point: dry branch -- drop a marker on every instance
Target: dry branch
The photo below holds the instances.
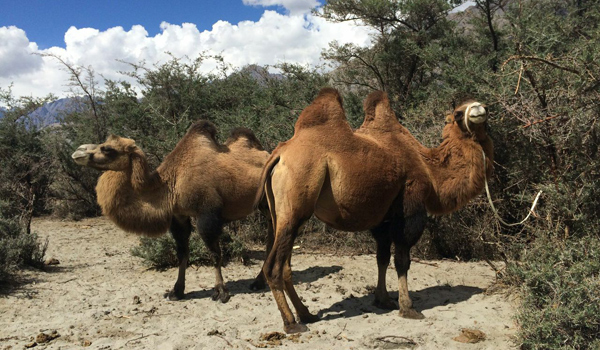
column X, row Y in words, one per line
column 538, row 59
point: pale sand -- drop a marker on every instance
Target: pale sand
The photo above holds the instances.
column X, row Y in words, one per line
column 89, row 298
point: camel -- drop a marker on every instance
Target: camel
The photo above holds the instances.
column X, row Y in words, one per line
column 378, row 178
column 211, row 182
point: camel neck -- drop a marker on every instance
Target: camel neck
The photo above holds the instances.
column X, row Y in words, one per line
column 135, row 199
column 141, row 177
column 458, row 172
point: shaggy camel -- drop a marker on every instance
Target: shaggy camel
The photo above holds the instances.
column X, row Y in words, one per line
column 200, row 178
column 378, row 178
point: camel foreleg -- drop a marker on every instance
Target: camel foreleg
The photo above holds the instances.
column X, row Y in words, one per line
column 384, row 245
column 181, row 228
column 413, row 229
column 210, row 228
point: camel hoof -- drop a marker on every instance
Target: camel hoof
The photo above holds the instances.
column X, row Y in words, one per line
column 411, row 314
column 308, row 318
column 221, row 294
column 295, row 328
column 385, row 305
column 172, row 295
column 258, row 284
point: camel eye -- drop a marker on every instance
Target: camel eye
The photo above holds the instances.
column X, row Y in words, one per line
column 109, row 151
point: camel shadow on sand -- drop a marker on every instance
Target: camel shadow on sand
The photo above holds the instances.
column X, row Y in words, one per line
column 242, row 286
column 424, row 299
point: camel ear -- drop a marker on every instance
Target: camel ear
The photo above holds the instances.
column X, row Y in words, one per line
column 112, row 137
column 449, row 119
column 129, row 145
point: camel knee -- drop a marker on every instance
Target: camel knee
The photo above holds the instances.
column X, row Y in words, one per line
column 273, row 275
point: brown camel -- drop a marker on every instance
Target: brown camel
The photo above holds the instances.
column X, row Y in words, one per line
column 200, row 178
column 378, row 178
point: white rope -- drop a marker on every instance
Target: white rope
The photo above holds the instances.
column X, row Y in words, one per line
column 467, row 114
column 487, row 190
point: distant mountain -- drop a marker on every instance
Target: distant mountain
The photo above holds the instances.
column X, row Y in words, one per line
column 52, row 112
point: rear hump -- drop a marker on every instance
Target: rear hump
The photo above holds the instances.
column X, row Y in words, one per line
column 244, row 133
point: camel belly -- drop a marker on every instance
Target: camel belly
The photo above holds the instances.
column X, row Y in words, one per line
column 354, row 209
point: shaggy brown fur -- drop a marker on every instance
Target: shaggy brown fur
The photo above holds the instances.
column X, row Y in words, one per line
column 378, row 178
column 200, row 178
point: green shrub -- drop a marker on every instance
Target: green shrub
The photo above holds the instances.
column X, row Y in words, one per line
column 18, row 248
column 160, row 252
column 561, row 294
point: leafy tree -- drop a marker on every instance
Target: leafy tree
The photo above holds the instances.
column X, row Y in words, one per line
column 24, row 179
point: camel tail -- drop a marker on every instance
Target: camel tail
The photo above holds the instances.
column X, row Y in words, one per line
column 266, row 173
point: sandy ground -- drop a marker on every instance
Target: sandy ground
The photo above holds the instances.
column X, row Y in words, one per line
column 101, row 297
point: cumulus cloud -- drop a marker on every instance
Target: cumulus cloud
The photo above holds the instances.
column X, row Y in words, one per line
column 16, row 53
column 274, row 38
column 293, row 6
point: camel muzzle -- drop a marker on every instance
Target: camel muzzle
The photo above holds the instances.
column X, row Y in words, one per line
column 82, row 155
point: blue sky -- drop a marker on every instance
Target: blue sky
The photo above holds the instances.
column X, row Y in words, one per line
column 102, row 35
column 46, row 21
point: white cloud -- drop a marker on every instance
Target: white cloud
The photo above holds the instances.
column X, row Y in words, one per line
column 273, row 39
column 16, row 53
column 293, row 6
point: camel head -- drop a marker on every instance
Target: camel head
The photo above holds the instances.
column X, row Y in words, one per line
column 469, row 117
column 114, row 154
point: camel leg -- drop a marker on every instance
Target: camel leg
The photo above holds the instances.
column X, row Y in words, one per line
column 303, row 314
column 274, row 270
column 413, row 228
column 384, row 244
column 260, row 282
column 210, row 227
column 292, row 202
column 181, row 228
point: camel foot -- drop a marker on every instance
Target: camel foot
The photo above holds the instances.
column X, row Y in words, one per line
column 411, row 314
column 258, row 284
column 221, row 294
column 308, row 318
column 385, row 304
column 173, row 295
column 295, row 328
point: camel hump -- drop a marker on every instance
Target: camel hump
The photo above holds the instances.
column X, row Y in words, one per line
column 247, row 134
column 330, row 93
column 326, row 108
column 204, row 127
column 378, row 112
column 373, row 100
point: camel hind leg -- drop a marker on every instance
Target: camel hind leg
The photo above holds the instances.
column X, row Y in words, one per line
column 290, row 205
column 260, row 282
column 181, row 228
column 209, row 227
column 301, row 309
